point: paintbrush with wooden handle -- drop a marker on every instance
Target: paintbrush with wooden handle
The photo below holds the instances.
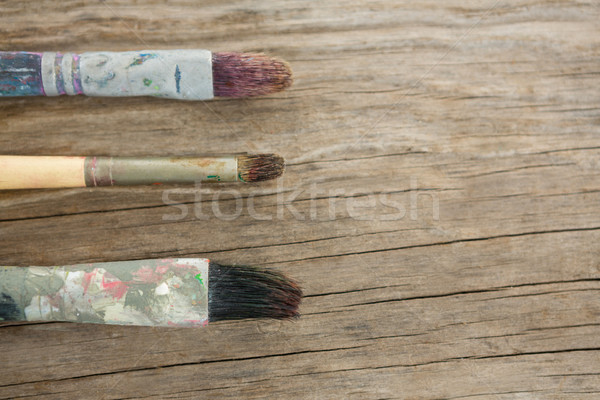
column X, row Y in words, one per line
column 37, row 172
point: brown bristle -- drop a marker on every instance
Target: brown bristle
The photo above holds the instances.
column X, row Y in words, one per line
column 240, row 292
column 260, row 167
column 248, row 74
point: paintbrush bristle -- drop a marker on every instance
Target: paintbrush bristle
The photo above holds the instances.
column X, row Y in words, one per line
column 248, row 74
column 260, row 167
column 240, row 292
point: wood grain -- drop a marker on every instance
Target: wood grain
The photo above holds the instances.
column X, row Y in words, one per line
column 441, row 203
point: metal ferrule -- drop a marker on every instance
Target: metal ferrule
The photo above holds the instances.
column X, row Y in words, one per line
column 114, row 171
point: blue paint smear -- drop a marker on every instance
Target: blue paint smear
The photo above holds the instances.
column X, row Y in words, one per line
column 177, row 78
column 142, row 58
column 21, row 74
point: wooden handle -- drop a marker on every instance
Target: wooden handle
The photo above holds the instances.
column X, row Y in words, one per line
column 33, row 172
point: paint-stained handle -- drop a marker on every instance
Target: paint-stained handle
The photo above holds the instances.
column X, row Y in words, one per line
column 175, row 74
column 167, row 292
column 21, row 74
column 39, row 172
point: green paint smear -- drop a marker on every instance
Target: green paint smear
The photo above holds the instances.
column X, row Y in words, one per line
column 199, row 277
column 147, row 82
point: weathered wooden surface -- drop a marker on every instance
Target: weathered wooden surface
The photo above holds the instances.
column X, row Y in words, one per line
column 441, row 203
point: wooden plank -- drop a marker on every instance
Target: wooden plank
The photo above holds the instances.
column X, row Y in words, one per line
column 440, row 204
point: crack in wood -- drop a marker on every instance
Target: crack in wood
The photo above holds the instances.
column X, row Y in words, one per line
column 444, row 243
column 187, row 364
column 476, row 291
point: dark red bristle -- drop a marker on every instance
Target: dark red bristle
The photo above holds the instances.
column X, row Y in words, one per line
column 260, row 167
column 248, row 74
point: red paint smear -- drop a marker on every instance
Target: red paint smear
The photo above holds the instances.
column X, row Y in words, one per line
column 87, row 279
column 185, row 266
column 55, row 300
column 196, row 322
column 147, row 275
column 162, row 269
column 116, row 288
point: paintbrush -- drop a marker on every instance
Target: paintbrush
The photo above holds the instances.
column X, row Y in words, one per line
column 37, row 172
column 183, row 292
column 174, row 74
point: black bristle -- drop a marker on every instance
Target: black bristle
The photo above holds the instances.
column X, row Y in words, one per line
column 8, row 309
column 240, row 292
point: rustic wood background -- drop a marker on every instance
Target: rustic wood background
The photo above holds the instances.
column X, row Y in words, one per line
column 441, row 204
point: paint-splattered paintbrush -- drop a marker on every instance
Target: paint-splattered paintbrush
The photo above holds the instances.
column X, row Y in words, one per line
column 37, row 172
column 184, row 292
column 175, row 74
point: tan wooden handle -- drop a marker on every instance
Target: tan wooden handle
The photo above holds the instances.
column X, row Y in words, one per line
column 39, row 172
